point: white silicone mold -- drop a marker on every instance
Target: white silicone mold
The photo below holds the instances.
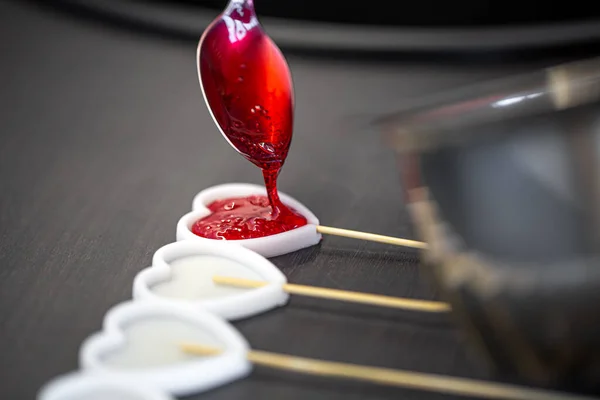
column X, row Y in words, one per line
column 81, row 386
column 196, row 289
column 269, row 246
column 133, row 347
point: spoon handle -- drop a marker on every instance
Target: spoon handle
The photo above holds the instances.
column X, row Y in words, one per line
column 240, row 6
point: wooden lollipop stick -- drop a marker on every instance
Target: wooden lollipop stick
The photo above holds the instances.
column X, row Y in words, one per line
column 327, row 230
column 391, row 377
column 342, row 295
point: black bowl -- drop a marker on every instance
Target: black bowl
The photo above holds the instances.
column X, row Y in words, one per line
column 503, row 183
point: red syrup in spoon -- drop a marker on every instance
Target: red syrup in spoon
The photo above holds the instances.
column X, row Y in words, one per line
column 248, row 88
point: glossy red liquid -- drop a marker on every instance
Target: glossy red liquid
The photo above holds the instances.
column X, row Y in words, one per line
column 245, row 218
column 248, row 87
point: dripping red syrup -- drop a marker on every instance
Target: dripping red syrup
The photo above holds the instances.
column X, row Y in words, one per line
column 248, row 87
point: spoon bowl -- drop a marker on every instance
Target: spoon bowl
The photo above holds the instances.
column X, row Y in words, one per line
column 247, row 86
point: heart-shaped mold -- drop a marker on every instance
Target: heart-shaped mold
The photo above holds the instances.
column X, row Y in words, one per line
column 85, row 386
column 181, row 273
column 268, row 246
column 140, row 343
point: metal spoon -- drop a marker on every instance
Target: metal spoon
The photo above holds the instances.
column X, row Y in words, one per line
column 248, row 88
column 247, row 85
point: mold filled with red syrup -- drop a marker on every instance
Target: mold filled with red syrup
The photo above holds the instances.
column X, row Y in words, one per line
column 245, row 218
column 248, row 87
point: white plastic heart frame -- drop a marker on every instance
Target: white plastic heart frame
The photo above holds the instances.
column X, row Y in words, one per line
column 269, row 246
column 180, row 379
column 232, row 307
column 84, row 386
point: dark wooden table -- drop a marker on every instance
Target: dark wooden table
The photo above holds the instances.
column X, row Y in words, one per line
column 104, row 141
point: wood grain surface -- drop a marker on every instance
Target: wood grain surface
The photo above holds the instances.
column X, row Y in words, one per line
column 104, row 141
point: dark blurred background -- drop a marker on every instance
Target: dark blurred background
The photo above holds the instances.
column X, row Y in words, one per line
column 416, row 13
column 373, row 26
column 105, row 139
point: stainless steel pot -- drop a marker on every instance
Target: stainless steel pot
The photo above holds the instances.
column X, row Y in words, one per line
column 503, row 183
